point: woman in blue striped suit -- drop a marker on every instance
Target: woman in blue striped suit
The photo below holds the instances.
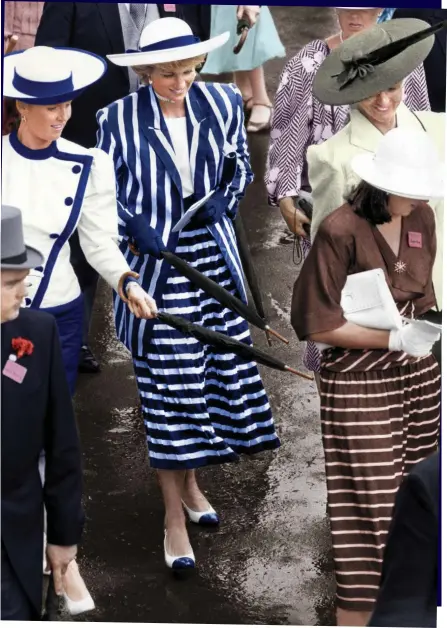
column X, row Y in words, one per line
column 173, row 142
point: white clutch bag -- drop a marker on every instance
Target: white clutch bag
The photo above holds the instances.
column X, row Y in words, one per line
column 367, row 301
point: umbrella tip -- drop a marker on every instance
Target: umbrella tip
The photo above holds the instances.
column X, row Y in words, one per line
column 276, row 334
column 295, row 372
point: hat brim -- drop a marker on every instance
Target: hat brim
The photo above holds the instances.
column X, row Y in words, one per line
column 86, row 68
column 34, row 258
column 398, row 182
column 326, row 87
column 170, row 54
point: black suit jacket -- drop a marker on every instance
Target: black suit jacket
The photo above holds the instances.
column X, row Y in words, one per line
column 38, row 415
column 409, row 587
column 435, row 63
column 96, row 27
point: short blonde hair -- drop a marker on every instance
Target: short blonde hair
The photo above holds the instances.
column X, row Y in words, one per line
column 144, row 71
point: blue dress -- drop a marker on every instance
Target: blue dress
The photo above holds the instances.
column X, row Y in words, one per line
column 262, row 44
column 386, row 15
column 201, row 406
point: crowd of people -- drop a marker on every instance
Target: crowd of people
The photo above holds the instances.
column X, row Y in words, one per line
column 118, row 160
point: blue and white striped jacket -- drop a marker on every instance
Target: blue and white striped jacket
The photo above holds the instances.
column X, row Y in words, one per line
column 133, row 131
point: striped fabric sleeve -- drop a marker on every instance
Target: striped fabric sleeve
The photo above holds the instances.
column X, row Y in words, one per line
column 107, row 143
column 237, row 138
column 416, row 91
column 291, row 127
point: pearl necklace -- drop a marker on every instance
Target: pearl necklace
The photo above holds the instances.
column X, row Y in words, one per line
column 162, row 98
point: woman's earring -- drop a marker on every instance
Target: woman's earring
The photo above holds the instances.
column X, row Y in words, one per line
column 24, row 119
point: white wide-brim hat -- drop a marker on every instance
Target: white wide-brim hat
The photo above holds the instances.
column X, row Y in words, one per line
column 46, row 76
column 406, row 164
column 166, row 40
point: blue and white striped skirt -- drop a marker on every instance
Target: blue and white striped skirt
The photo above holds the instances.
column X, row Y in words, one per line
column 201, row 406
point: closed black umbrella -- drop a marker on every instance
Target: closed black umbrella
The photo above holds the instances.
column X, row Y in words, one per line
column 220, row 294
column 226, row 344
column 249, row 269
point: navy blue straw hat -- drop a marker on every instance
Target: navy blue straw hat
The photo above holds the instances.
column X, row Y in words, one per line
column 48, row 76
column 166, row 40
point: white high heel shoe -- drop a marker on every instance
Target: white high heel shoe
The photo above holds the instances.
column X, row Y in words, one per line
column 86, row 603
column 178, row 563
column 79, row 606
column 204, row 518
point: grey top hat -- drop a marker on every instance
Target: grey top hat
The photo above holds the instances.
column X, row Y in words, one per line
column 15, row 255
column 373, row 60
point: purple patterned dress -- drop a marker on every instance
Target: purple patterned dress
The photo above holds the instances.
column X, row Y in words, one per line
column 300, row 121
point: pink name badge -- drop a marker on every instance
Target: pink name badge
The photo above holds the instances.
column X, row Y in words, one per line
column 414, row 240
column 14, row 371
column 169, row 8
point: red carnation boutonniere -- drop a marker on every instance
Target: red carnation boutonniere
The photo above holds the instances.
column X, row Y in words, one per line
column 22, row 347
column 14, row 370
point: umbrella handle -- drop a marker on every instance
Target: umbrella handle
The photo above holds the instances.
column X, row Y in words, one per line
column 12, row 42
column 133, row 248
column 243, row 26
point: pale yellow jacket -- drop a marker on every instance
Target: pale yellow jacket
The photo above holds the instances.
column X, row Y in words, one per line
column 332, row 179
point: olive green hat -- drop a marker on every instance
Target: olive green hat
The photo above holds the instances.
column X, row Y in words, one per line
column 374, row 60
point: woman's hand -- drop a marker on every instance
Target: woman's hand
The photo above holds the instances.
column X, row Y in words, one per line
column 58, row 559
column 251, row 12
column 140, row 303
column 295, row 218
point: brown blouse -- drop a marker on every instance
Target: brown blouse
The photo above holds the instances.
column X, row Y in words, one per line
column 346, row 244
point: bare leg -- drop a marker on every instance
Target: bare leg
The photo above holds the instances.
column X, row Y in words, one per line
column 262, row 105
column 352, row 618
column 172, row 486
column 192, row 495
column 242, row 80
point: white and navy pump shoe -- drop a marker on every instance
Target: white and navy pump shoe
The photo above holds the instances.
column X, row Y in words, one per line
column 179, row 563
column 204, row 518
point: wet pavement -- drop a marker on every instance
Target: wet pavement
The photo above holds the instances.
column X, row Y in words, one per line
column 269, row 563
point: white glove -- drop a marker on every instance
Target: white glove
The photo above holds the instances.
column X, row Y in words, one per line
column 140, row 303
column 413, row 340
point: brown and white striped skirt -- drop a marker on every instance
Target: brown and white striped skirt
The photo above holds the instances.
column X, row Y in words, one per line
column 376, row 425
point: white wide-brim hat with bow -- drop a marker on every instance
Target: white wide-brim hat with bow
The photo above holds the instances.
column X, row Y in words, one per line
column 166, row 40
column 48, row 76
column 406, row 163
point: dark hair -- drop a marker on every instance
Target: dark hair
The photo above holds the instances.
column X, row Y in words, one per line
column 10, row 117
column 370, row 203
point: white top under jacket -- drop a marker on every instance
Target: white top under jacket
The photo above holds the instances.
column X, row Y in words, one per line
column 179, row 137
column 59, row 189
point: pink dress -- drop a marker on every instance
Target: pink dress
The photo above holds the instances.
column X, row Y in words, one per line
column 300, row 120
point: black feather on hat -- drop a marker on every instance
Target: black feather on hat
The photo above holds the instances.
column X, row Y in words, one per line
column 374, row 60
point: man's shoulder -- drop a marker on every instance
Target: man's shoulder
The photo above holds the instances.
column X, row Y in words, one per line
column 36, row 321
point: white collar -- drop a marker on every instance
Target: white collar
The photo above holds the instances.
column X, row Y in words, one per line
column 127, row 6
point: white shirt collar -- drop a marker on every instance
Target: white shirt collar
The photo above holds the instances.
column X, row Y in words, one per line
column 128, row 5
